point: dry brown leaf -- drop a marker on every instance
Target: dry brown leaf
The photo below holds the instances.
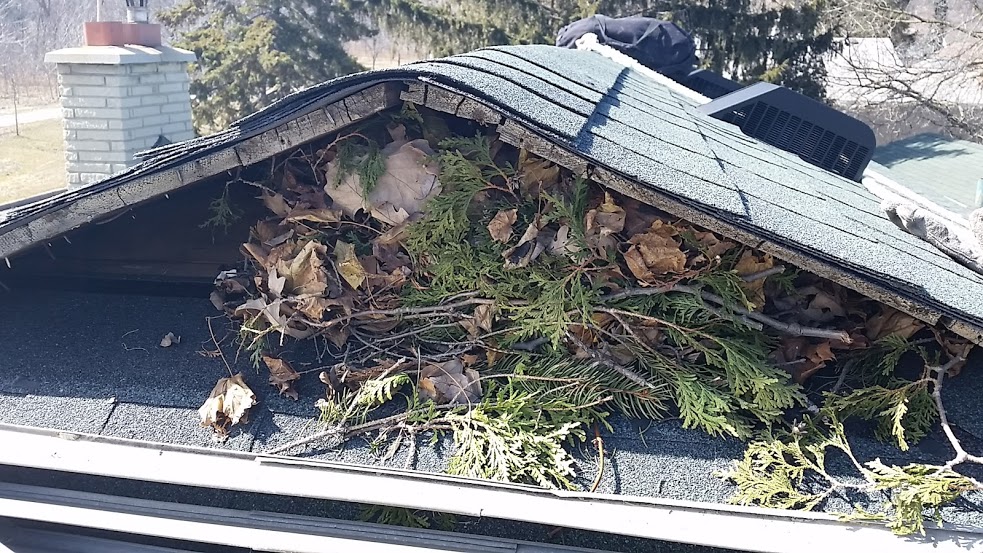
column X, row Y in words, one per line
column 169, row 340
column 816, row 356
column 536, row 174
column 602, row 224
column 345, row 194
column 282, row 376
column 823, row 307
column 562, row 244
column 397, row 132
column 892, row 322
column 217, row 300
column 272, row 314
column 349, row 266
column 655, row 253
column 305, row 274
column 714, row 246
column 276, row 203
column 483, row 316
column 449, row 383
column 407, row 185
column 410, row 180
column 275, row 283
column 227, row 405
column 500, row 227
column 527, row 250
column 749, row 264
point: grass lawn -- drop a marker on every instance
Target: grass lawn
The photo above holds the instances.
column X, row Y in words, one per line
column 33, row 162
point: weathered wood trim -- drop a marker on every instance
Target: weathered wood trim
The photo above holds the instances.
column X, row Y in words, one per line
column 515, row 134
column 443, row 100
column 477, row 111
column 266, row 145
column 415, row 92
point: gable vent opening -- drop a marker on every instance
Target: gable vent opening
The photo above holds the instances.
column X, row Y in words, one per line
column 817, row 133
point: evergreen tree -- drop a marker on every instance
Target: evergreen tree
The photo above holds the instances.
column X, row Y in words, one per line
column 777, row 44
column 252, row 52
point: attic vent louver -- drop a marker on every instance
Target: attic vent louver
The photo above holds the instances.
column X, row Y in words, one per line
column 792, row 122
column 710, row 84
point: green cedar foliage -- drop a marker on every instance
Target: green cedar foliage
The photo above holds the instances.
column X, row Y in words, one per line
column 724, row 387
column 252, row 52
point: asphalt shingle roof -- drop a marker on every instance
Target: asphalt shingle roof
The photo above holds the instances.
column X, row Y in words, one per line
column 60, row 370
column 621, row 120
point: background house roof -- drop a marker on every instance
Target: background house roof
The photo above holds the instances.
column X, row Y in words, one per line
column 944, row 170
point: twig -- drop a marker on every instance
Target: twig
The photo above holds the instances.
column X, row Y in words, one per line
column 961, row 455
column 776, row 270
column 603, row 360
column 792, row 329
column 599, row 443
column 438, row 309
column 347, row 432
column 217, row 346
column 844, row 370
column 128, row 348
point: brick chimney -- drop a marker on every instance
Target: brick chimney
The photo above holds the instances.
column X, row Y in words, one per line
column 119, row 98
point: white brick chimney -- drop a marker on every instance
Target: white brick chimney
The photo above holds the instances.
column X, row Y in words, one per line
column 117, row 101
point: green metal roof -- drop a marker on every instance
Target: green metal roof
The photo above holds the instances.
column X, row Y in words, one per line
column 944, row 170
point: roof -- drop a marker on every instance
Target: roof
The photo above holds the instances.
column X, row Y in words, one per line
column 110, row 379
column 635, row 134
column 944, row 170
column 629, row 131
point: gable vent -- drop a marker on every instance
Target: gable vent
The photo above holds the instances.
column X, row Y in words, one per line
column 789, row 121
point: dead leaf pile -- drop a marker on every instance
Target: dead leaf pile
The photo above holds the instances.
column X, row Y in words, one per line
column 332, row 260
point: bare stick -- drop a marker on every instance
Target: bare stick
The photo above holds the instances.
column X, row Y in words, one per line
column 128, row 348
column 437, row 309
column 599, row 443
column 603, row 360
column 961, row 455
column 792, row 329
column 217, row 346
column 776, row 270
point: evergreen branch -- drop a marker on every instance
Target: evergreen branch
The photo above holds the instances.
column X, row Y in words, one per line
column 604, row 360
column 792, row 329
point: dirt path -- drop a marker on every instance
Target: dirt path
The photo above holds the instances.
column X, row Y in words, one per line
column 29, row 115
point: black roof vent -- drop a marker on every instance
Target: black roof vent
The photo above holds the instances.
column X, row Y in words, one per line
column 792, row 122
column 710, row 84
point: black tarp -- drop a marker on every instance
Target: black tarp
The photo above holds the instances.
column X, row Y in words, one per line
column 659, row 45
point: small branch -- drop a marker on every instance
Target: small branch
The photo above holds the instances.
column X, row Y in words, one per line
column 603, row 360
column 776, row 270
column 217, row 346
column 348, row 432
column 599, row 443
column 962, row 456
column 339, row 430
column 437, row 309
column 792, row 329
